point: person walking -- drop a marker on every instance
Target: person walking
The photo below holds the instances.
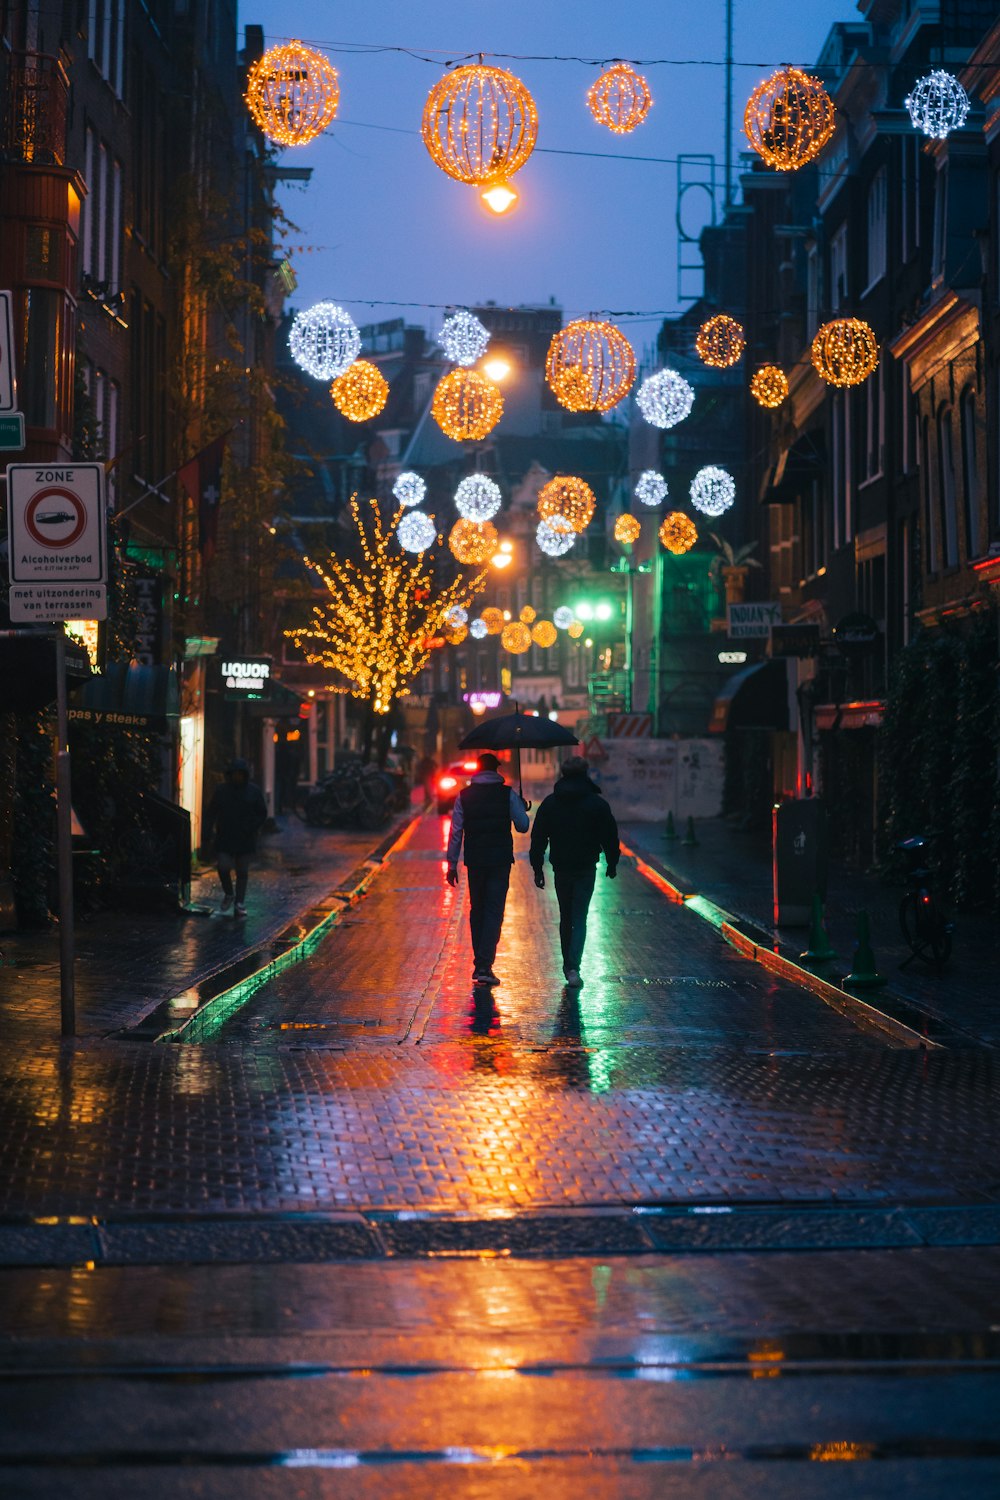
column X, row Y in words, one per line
column 575, row 823
column 235, row 816
column 483, row 814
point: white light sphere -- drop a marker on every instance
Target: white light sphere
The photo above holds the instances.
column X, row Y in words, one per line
column 463, row 338
column 409, row 488
column 563, row 617
column 479, row 630
column 416, row 531
column 712, row 490
column 324, row 340
column 938, row 104
column 477, row 497
column 456, row 616
column 650, row 487
column 665, row 398
column 555, row 536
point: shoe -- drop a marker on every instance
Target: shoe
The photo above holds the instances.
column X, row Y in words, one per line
column 239, row 910
column 227, row 902
column 573, row 980
column 485, row 976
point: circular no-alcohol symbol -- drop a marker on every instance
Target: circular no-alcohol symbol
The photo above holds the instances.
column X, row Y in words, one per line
column 55, row 517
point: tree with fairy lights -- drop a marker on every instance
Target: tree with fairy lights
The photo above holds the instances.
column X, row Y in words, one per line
column 384, row 614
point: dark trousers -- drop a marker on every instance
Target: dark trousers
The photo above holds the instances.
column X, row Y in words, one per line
column 487, row 899
column 225, row 864
column 574, row 889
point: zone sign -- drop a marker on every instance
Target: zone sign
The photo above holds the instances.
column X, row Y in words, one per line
column 56, row 523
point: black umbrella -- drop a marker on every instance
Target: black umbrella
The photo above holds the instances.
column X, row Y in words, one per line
column 511, row 731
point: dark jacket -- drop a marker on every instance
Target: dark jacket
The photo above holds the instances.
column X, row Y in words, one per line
column 236, row 813
column 575, row 823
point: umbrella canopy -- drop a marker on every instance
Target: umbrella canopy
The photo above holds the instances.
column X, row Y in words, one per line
column 514, row 731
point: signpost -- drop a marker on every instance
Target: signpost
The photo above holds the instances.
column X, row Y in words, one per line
column 12, row 432
column 8, row 378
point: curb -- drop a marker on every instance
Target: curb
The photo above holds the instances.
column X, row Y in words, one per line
column 861, row 1012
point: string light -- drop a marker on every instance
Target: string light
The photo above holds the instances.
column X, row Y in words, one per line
column 713, row 490
column 590, row 365
column 788, row 119
column 627, row 529
column 472, row 542
column 292, row 94
column 477, row 497
column 456, row 634
column 493, row 619
column 361, row 392
column 456, row 616
column 575, row 630
column 555, row 536
column 678, row 533
column 938, row 104
column 478, row 630
column 620, row 99
column 562, row 617
column 544, row 634
column 769, row 386
column 527, row 614
column 416, row 531
column 324, row 340
column 515, row 638
column 463, row 338
column 409, row 488
column 665, row 398
column 650, row 487
column 567, row 497
column 720, row 342
column 845, row 352
column 479, row 124
column 466, row 406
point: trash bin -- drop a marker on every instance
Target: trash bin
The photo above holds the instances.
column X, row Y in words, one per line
column 800, row 859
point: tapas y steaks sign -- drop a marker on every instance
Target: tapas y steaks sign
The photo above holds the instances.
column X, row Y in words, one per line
column 56, row 523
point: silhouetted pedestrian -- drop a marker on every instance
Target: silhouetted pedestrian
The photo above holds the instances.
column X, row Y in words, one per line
column 235, row 816
column 484, row 812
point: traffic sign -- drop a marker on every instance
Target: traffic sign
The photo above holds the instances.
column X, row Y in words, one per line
column 594, row 750
column 12, row 432
column 56, row 526
column 8, row 379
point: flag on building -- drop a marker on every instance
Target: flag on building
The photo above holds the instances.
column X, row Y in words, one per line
column 201, row 476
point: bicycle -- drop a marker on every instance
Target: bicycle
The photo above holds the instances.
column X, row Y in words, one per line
column 926, row 930
column 352, row 794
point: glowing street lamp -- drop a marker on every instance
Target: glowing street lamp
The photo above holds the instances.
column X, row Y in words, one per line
column 499, row 197
column 497, row 369
column 504, row 556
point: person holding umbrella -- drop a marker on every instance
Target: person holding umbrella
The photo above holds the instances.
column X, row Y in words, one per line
column 484, row 812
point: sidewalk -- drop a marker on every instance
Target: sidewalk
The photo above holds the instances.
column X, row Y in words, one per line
column 733, row 869
column 130, row 962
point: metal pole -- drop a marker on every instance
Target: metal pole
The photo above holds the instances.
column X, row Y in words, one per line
column 628, row 641
column 64, row 848
column 726, row 198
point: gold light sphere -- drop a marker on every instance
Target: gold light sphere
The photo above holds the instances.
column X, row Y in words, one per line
column 456, row 634
column 466, row 406
column 479, row 124
column 678, row 533
column 769, row 386
column 292, row 94
column 575, row 630
column 568, row 497
column 788, row 119
column 620, row 98
column 627, row 528
column 527, row 615
column 361, row 392
column 590, row 365
column 845, row 351
column 493, row 619
column 515, row 637
column 544, row 634
column 720, row 342
column 472, row 542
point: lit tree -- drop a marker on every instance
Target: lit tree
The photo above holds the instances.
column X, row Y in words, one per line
column 376, row 627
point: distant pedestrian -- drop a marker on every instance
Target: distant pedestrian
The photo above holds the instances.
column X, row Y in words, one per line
column 425, row 773
column 575, row 823
column 235, row 816
column 484, row 812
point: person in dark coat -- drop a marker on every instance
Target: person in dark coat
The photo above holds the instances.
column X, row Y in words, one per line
column 575, row 823
column 483, row 814
column 235, row 816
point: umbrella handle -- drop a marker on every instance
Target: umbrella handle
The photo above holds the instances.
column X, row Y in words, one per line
column 520, row 788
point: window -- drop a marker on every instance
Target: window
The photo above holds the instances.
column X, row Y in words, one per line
column 974, row 539
column 877, row 225
column 106, row 41
column 905, row 585
column 843, row 509
column 946, row 479
column 931, row 549
column 838, row 269
column 940, row 222
column 812, row 291
column 875, row 423
column 101, row 225
column 909, row 197
column 907, row 422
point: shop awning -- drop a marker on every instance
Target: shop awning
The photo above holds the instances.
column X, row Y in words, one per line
column 128, row 696
column 755, row 698
column 848, row 715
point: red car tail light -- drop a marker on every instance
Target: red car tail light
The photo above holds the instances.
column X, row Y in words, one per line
column 446, row 783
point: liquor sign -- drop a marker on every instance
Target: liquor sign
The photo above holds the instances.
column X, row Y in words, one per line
column 8, row 379
column 751, row 621
column 57, row 526
column 246, row 677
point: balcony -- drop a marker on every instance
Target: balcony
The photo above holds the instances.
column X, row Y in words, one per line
column 35, row 89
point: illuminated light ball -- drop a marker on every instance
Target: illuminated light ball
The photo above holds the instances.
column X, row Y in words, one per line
column 575, row 630
column 788, row 119
column 463, row 338
column 563, row 617
column 477, row 497
column 478, row 629
column 678, row 533
column 555, row 536
column 472, row 542
column 845, row 352
column 650, row 487
column 713, row 490
column 515, row 637
column 665, row 398
column 479, row 124
column 590, row 366
column 527, row 615
column 456, row 634
column 627, row 529
column 544, row 634
column 467, row 406
column 292, row 94
column 361, row 392
column 324, row 340
column 493, row 620
column 769, row 386
column 409, row 488
column 568, row 497
column 416, row 531
column 456, row 616
column 720, row 342
column 938, row 104
column 620, row 99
